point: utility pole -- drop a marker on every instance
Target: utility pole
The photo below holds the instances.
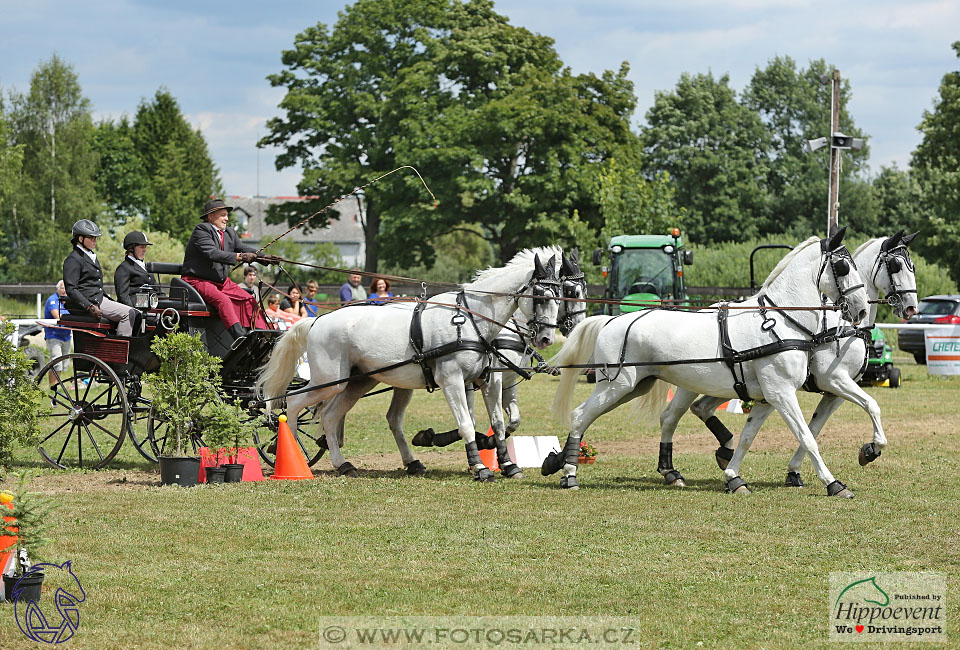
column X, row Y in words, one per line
column 838, row 142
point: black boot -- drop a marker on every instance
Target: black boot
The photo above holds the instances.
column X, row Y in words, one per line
column 238, row 331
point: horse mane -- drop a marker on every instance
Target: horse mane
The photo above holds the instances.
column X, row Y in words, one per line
column 862, row 247
column 522, row 262
column 778, row 269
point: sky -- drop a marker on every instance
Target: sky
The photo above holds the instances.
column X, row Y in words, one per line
column 214, row 57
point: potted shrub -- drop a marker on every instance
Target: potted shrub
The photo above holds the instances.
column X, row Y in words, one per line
column 28, row 521
column 187, row 382
column 587, row 455
column 226, row 430
column 22, row 401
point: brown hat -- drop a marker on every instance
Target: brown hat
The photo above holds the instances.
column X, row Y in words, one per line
column 213, row 205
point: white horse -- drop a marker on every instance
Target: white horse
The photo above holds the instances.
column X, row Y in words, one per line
column 517, row 348
column 633, row 351
column 886, row 267
column 445, row 341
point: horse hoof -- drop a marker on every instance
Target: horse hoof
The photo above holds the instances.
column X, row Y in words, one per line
column 674, row 479
column 512, row 471
column 869, row 452
column 424, row 438
column 838, row 489
column 678, row 483
column 416, row 468
column 742, row 490
column 552, row 464
column 737, row 485
column 348, row 470
column 845, row 494
column 569, row 483
column 485, row 476
column 793, row 480
column 723, row 456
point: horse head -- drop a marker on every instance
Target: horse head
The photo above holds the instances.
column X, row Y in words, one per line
column 898, row 282
column 573, row 309
column 546, row 289
column 836, row 281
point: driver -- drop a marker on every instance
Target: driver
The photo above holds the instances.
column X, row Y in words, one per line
column 83, row 281
column 212, row 250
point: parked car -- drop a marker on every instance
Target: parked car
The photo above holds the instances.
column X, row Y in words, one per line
column 930, row 310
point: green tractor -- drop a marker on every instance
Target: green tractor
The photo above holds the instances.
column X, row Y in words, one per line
column 880, row 370
column 644, row 269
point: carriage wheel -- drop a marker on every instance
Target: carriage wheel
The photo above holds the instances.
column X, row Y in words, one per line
column 312, row 444
column 140, row 408
column 90, row 414
column 161, row 437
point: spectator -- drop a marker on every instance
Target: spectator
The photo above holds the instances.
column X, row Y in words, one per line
column 380, row 288
column 352, row 291
column 293, row 304
column 57, row 339
column 250, row 282
column 285, row 319
column 310, row 298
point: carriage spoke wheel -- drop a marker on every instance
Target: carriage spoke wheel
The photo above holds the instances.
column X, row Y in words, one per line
column 312, row 442
column 89, row 415
column 139, row 409
column 162, row 438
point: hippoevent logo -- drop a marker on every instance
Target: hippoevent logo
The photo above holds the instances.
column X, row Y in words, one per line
column 888, row 607
column 49, row 623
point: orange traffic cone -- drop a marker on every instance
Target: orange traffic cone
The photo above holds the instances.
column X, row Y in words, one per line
column 290, row 464
column 489, row 456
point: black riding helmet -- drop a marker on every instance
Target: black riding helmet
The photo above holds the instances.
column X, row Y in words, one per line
column 135, row 238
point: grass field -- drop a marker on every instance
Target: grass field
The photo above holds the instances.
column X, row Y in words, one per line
column 258, row 565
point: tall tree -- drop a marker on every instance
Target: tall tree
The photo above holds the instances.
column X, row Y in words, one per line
column 794, row 104
column 504, row 135
column 714, row 149
column 53, row 123
column 11, row 161
column 936, row 164
column 175, row 158
column 122, row 181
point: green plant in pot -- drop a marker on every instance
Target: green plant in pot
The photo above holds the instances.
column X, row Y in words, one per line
column 185, row 386
column 29, row 520
column 227, row 429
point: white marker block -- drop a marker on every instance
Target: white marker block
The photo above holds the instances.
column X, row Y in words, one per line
column 529, row 451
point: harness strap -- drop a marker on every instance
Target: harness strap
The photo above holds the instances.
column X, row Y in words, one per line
column 729, row 354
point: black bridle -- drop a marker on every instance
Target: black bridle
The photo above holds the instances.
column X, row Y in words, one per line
column 894, row 260
column 572, row 278
column 841, row 262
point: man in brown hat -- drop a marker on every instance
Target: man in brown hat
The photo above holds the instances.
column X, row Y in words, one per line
column 212, row 251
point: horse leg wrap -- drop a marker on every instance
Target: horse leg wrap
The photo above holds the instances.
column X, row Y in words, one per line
column 735, row 484
column 836, row 488
column 446, row 438
column 569, row 483
column 793, row 480
column 869, row 453
column 666, row 457
column 473, row 456
column 416, row 468
column 346, row 469
column 719, row 431
column 571, row 451
column 723, row 456
column 510, row 469
column 672, row 477
column 424, row 438
column 485, row 442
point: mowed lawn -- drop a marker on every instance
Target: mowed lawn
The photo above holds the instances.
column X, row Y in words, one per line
column 256, row 565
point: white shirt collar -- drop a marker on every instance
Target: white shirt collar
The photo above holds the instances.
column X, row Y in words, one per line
column 88, row 252
column 139, row 263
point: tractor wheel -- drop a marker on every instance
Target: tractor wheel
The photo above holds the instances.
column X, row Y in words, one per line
column 894, row 377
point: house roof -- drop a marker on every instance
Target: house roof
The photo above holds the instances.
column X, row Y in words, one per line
column 345, row 229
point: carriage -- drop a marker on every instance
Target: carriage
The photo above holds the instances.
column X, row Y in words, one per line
column 99, row 399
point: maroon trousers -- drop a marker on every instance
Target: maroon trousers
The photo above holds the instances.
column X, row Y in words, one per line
column 233, row 304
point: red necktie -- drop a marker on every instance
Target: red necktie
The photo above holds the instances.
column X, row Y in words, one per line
column 221, row 238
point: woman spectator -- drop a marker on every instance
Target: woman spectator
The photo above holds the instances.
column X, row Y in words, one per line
column 273, row 311
column 293, row 303
column 380, row 291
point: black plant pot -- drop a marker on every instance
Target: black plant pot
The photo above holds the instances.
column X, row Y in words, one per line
column 30, row 584
column 215, row 474
column 182, row 471
column 234, row 473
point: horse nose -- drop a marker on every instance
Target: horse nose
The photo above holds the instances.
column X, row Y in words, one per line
column 911, row 311
column 861, row 315
column 545, row 340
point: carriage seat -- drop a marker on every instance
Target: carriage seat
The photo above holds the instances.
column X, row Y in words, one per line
column 179, row 289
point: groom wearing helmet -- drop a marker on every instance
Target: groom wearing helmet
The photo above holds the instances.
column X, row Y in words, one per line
column 132, row 273
column 83, row 281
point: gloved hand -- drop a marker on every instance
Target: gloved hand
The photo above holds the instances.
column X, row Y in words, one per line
column 270, row 259
column 248, row 258
column 95, row 310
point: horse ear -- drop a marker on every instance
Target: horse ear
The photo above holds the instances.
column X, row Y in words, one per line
column 891, row 242
column 538, row 270
column 552, row 267
column 837, row 239
column 566, row 266
column 575, row 259
column 909, row 238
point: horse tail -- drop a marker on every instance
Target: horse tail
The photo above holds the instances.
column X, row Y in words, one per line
column 577, row 349
column 648, row 406
column 276, row 375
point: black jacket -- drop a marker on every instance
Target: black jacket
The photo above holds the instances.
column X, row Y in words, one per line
column 204, row 258
column 128, row 278
column 83, row 280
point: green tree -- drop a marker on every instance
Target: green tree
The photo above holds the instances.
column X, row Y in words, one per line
column 794, row 105
column 53, row 123
column 122, row 181
column 504, row 135
column 714, row 150
column 936, row 164
column 631, row 204
column 177, row 162
column 164, row 248
column 11, row 162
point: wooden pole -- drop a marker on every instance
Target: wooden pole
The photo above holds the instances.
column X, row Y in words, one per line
column 834, row 198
